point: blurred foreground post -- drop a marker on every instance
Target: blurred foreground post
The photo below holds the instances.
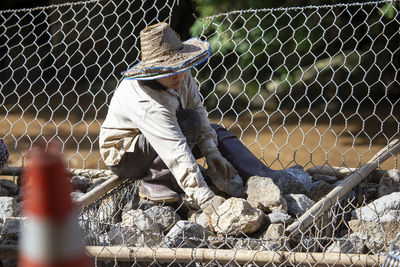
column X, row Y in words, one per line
column 51, row 234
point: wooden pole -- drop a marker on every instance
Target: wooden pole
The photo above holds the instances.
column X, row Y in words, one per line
column 98, row 191
column 207, row 255
column 89, row 197
column 90, row 173
column 349, row 183
column 342, row 172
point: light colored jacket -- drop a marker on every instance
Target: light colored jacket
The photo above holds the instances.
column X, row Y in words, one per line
column 138, row 109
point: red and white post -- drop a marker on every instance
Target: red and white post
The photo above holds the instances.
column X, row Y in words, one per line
column 50, row 235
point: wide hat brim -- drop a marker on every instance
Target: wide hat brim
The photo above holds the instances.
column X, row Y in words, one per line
column 193, row 52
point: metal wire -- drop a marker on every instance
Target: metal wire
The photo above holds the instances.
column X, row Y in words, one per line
column 311, row 86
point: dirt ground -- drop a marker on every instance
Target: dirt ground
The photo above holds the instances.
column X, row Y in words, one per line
column 280, row 139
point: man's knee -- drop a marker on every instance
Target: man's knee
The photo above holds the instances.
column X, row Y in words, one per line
column 133, row 165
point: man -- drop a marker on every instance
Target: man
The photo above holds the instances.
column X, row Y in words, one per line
column 156, row 125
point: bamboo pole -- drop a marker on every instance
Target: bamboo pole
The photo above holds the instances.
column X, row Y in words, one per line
column 98, row 191
column 349, row 183
column 342, row 172
column 89, row 197
column 90, row 173
column 207, row 255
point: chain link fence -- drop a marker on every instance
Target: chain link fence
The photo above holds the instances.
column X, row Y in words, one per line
column 313, row 88
column 59, row 67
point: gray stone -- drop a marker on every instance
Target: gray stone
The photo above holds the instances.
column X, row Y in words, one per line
column 384, row 209
column 133, row 203
column 186, row 234
column 274, row 239
column 365, row 192
column 250, row 244
column 8, row 188
column 81, row 183
column 96, row 183
column 293, row 180
column 145, row 204
column 109, row 211
column 200, row 218
column 138, row 219
column 20, row 206
column 279, row 217
column 4, row 241
column 236, row 216
column 389, row 183
column 377, row 236
column 349, row 244
column 166, row 217
column 319, row 189
column 308, row 244
column 120, row 235
column 136, row 229
column 11, row 227
column 323, row 177
column 88, row 221
column 262, row 193
column 298, row 204
column 8, row 207
column 233, row 187
column 100, row 239
column 76, row 195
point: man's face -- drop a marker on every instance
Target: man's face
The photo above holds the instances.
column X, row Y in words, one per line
column 173, row 81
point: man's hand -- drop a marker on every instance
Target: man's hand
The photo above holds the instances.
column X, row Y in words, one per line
column 218, row 165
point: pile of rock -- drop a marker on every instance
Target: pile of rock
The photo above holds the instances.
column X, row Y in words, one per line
column 257, row 216
column 254, row 216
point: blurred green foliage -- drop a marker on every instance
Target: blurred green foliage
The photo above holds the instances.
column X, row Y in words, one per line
column 389, row 10
column 281, row 46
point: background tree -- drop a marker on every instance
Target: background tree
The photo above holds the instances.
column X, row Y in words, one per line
column 277, row 50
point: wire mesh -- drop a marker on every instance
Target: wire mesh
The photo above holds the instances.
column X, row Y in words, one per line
column 59, row 67
column 311, row 86
column 121, row 219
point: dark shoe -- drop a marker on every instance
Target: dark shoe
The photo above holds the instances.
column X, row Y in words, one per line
column 160, row 185
column 157, row 192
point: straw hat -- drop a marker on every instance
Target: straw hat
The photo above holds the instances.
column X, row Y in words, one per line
column 164, row 54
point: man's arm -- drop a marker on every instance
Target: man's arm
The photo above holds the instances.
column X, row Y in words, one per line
column 207, row 143
column 161, row 129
